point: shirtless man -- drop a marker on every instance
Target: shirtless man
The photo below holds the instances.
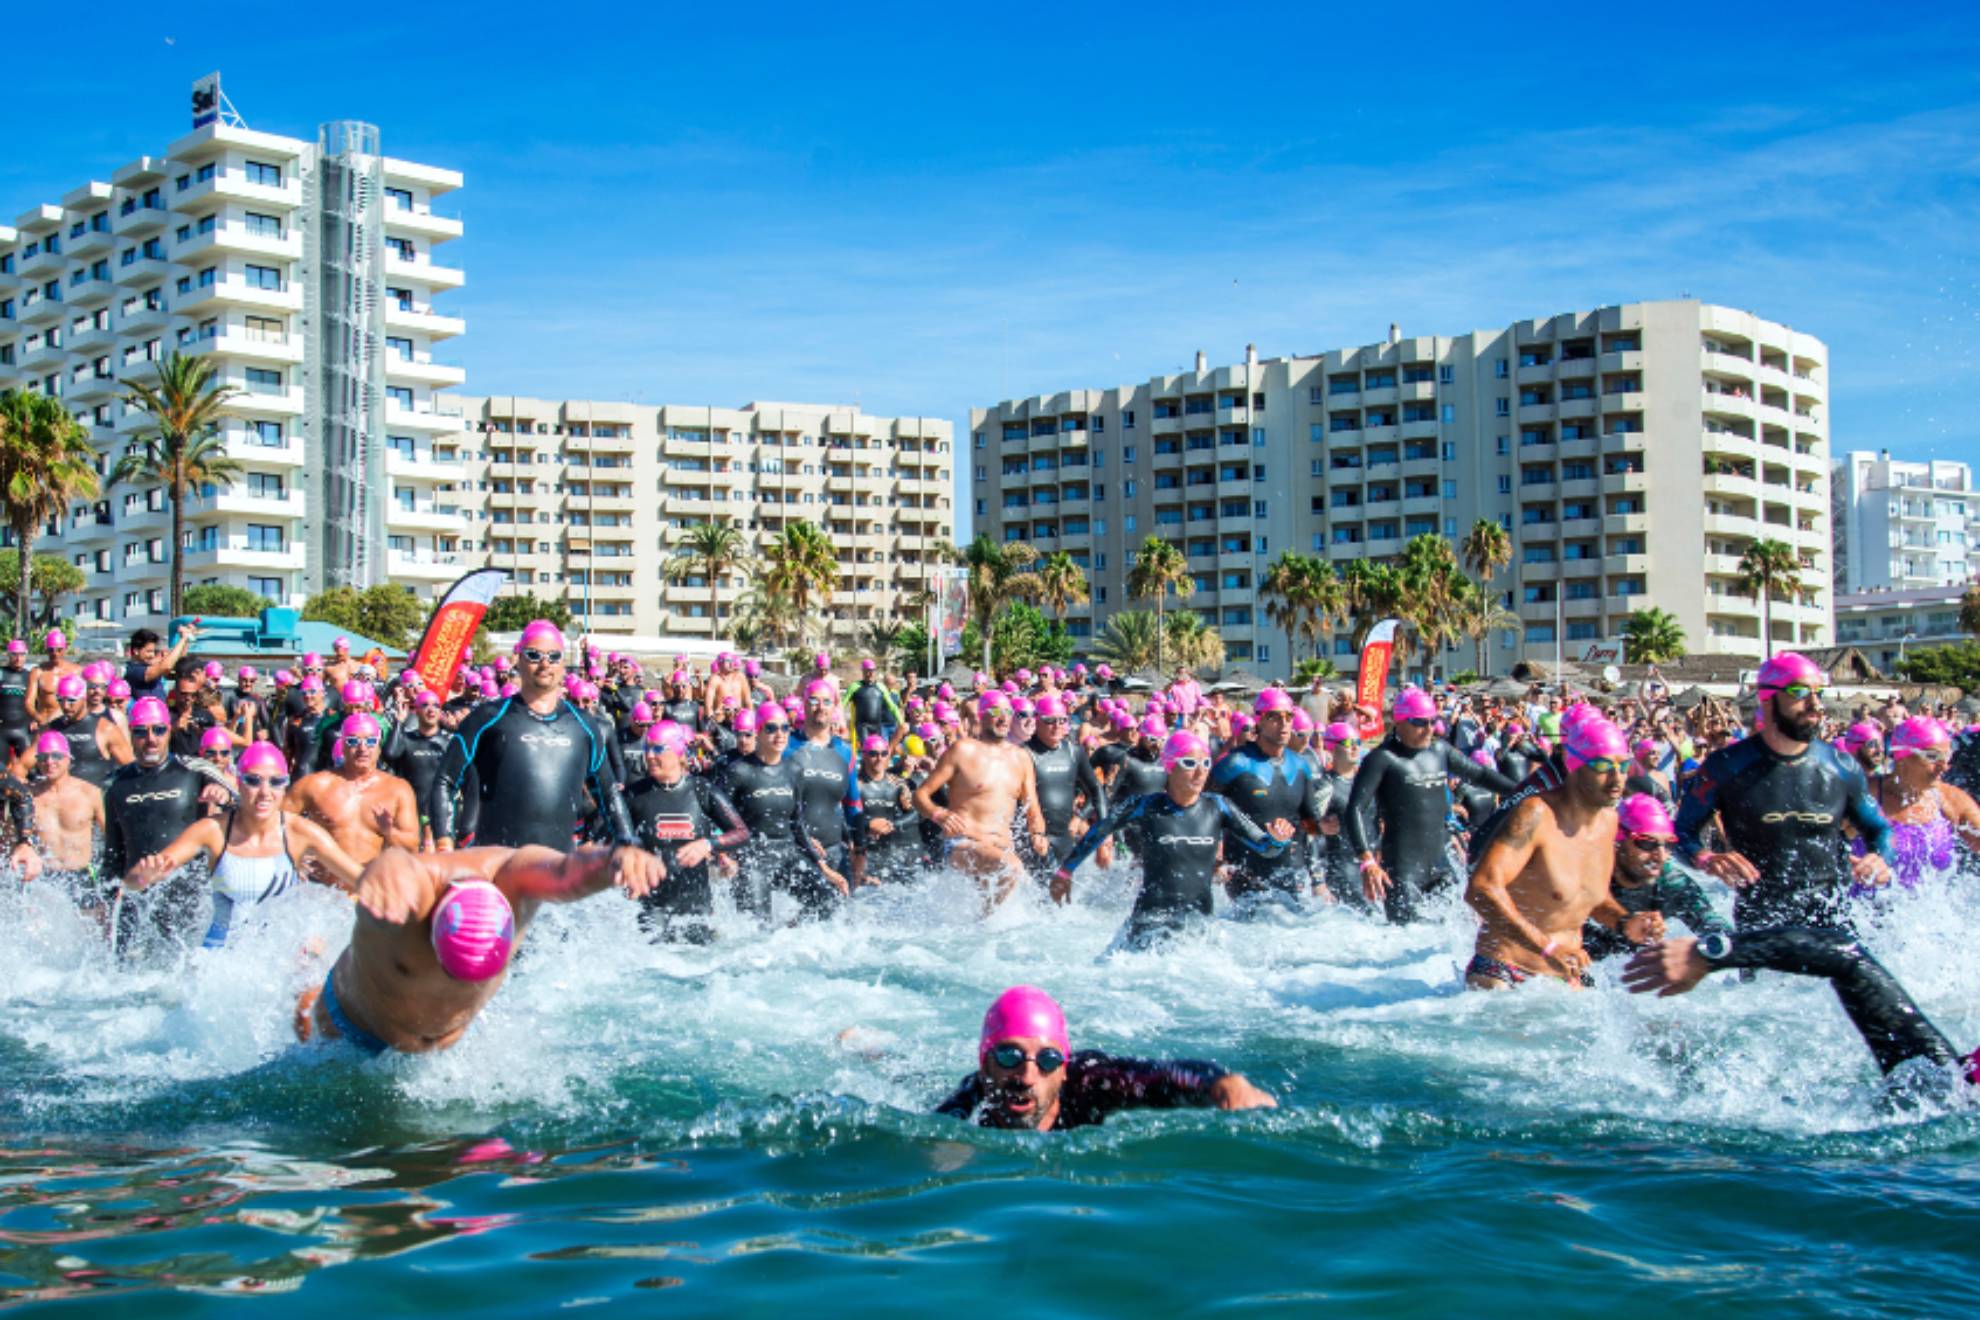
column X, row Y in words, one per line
column 1547, row 871
column 728, row 681
column 434, row 934
column 341, row 669
column 365, row 809
column 42, row 681
column 68, row 813
column 988, row 778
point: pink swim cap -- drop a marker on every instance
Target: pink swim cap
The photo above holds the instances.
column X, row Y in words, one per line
column 426, row 697
column 1153, row 727
column 795, row 705
column 17, row 647
column 771, row 713
column 341, row 644
column 945, row 713
column 641, row 713
column 1242, row 724
column 1645, row 749
column 257, row 758
column 668, row 737
column 71, row 687
column 1786, row 668
column 56, row 640
column 1182, row 743
column 874, row 743
column 358, row 725
column 867, row 666
column 1591, row 739
column 1575, row 714
column 1340, row 731
column 927, row 731
column 821, row 662
column 1917, row 734
column 540, row 635
column 1049, row 707
column 357, row 692
column 510, row 688
column 744, row 722
column 119, row 690
column 820, row 687
column 474, row 930
column 679, row 678
column 51, row 743
column 1122, row 719
column 991, row 700
column 1022, row 706
column 1010, row 687
column 1484, row 758
column 751, row 668
column 215, row 740
column 1415, row 704
column 1104, row 671
column 1023, row 1012
column 150, row 710
column 1859, row 735
column 1272, row 700
column 311, row 660
column 312, row 683
column 214, row 671
column 1639, row 813
column 489, row 691
column 1301, row 721
column 248, row 673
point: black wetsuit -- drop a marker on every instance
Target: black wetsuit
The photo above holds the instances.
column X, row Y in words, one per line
column 1178, row 850
column 301, row 741
column 1268, row 789
column 1135, row 771
column 1883, row 1014
column 872, row 710
column 1410, row 793
column 188, row 733
column 14, row 702
column 1097, row 1085
column 415, row 757
column 1337, row 862
column 1673, row 893
column 1785, row 815
column 1517, row 761
column 143, row 810
column 517, row 777
column 686, row 712
column 667, row 817
column 88, row 761
column 17, row 814
column 894, row 855
column 1963, row 769
column 834, row 818
column 1649, row 785
column 1064, row 773
column 778, row 854
column 608, row 738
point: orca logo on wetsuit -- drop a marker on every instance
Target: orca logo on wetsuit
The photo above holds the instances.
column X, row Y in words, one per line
column 1799, row 817
column 163, row 795
column 545, row 740
column 1198, row 839
column 822, row 774
column 778, row 791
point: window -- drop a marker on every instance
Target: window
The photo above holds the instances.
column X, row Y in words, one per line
column 1128, row 523
column 265, row 538
column 264, row 277
column 400, row 197
column 263, row 226
column 1505, row 483
column 268, row 433
column 1447, row 414
column 264, row 380
column 1127, row 488
column 1450, row 490
column 1502, row 407
column 979, row 439
column 1446, row 375
column 266, row 485
column 1099, row 425
column 1499, row 368
column 401, row 395
column 269, row 176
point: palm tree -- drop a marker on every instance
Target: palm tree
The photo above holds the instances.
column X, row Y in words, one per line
column 1061, row 584
column 999, row 574
column 1652, row 636
column 881, row 637
column 712, row 551
column 1432, row 583
column 1128, row 641
column 1768, row 569
column 763, row 620
column 799, row 567
column 1193, row 641
column 183, row 448
column 1486, row 549
column 1478, row 615
column 1159, row 569
column 1969, row 608
column 1303, row 595
column 45, row 462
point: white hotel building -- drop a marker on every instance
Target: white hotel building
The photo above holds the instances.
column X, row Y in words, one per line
column 309, row 271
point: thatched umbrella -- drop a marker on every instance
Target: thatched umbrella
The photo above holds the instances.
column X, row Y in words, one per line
column 1691, row 697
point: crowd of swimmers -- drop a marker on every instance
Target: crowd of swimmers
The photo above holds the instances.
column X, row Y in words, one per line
column 173, row 802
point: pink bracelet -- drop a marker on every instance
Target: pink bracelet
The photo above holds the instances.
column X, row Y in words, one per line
column 1550, row 948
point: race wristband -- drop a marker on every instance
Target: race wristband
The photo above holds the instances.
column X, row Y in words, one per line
column 1548, row 950
column 1369, row 864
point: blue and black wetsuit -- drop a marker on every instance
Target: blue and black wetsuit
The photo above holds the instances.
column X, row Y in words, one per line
column 778, row 853
column 1178, row 848
column 1784, row 814
column 1267, row 789
column 517, row 777
column 834, row 817
column 1409, row 791
column 1098, row 1084
column 1064, row 775
column 1885, row 1016
column 669, row 816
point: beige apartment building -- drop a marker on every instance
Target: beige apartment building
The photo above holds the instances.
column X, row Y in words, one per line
column 1632, row 452
column 306, row 270
column 585, row 501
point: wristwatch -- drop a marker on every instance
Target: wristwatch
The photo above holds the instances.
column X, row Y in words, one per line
column 1716, row 947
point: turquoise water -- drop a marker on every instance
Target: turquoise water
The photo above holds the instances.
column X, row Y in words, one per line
column 742, row 1130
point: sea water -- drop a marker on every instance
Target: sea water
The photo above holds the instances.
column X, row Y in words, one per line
column 744, row 1129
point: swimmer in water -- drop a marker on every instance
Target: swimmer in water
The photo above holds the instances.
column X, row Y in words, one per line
column 68, row 815
column 1027, row 1075
column 1645, row 878
column 1547, row 871
column 1932, row 822
column 990, row 779
column 435, row 933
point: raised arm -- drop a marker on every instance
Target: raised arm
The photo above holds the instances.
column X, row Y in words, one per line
column 202, row 836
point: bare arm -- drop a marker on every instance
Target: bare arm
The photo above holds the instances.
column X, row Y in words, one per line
column 546, row 876
column 1505, row 857
column 944, row 771
column 403, row 828
column 331, row 861
column 201, row 836
column 116, row 743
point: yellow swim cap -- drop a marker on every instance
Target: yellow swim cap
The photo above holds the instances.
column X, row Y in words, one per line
column 914, row 745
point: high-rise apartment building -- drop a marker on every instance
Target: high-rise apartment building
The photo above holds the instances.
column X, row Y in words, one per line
column 585, row 501
column 1903, row 526
column 1632, row 452
column 307, row 271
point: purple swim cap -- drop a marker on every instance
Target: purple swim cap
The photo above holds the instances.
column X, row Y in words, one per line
column 426, row 697
column 1592, row 739
column 1182, row 743
column 1917, row 734
column 474, row 930
column 1272, row 700
column 71, row 687
column 1023, row 1012
column 215, row 740
column 1415, row 704
column 51, row 743
column 1639, row 813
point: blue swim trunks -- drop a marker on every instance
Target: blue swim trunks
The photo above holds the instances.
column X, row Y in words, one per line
column 351, row 1032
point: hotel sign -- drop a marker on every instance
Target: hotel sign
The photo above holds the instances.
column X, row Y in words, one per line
column 206, row 100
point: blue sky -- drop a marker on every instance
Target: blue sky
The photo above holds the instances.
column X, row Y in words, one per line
column 921, row 210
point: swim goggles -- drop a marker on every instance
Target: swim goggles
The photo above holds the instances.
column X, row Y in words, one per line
column 1190, row 763
column 1607, row 765
column 536, row 657
column 1012, row 1057
column 264, row 781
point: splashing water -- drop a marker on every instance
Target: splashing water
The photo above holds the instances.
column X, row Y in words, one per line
column 754, row 1114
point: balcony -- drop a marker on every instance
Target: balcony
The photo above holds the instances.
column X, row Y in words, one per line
column 1613, row 564
column 422, row 270
column 285, row 245
column 44, row 264
column 44, row 310
column 422, row 516
column 422, row 368
column 424, row 565
column 285, row 402
column 91, row 242
column 234, row 552
column 232, row 289
column 246, row 447
column 420, row 219
column 422, row 318
column 1539, row 533
column 208, row 195
column 135, row 217
column 143, row 319
column 90, row 291
column 425, row 415
column 43, row 355
column 142, row 270
column 1625, row 483
column 290, row 504
column 1621, row 523
column 423, row 466
column 261, row 345
column 1625, row 442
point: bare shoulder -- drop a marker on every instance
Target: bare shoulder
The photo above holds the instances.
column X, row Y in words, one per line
column 1527, row 821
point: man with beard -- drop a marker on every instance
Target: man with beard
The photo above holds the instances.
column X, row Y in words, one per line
column 1028, row 1077
column 1781, row 799
column 1064, row 775
column 1548, row 869
column 146, row 805
column 1270, row 784
column 97, row 744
